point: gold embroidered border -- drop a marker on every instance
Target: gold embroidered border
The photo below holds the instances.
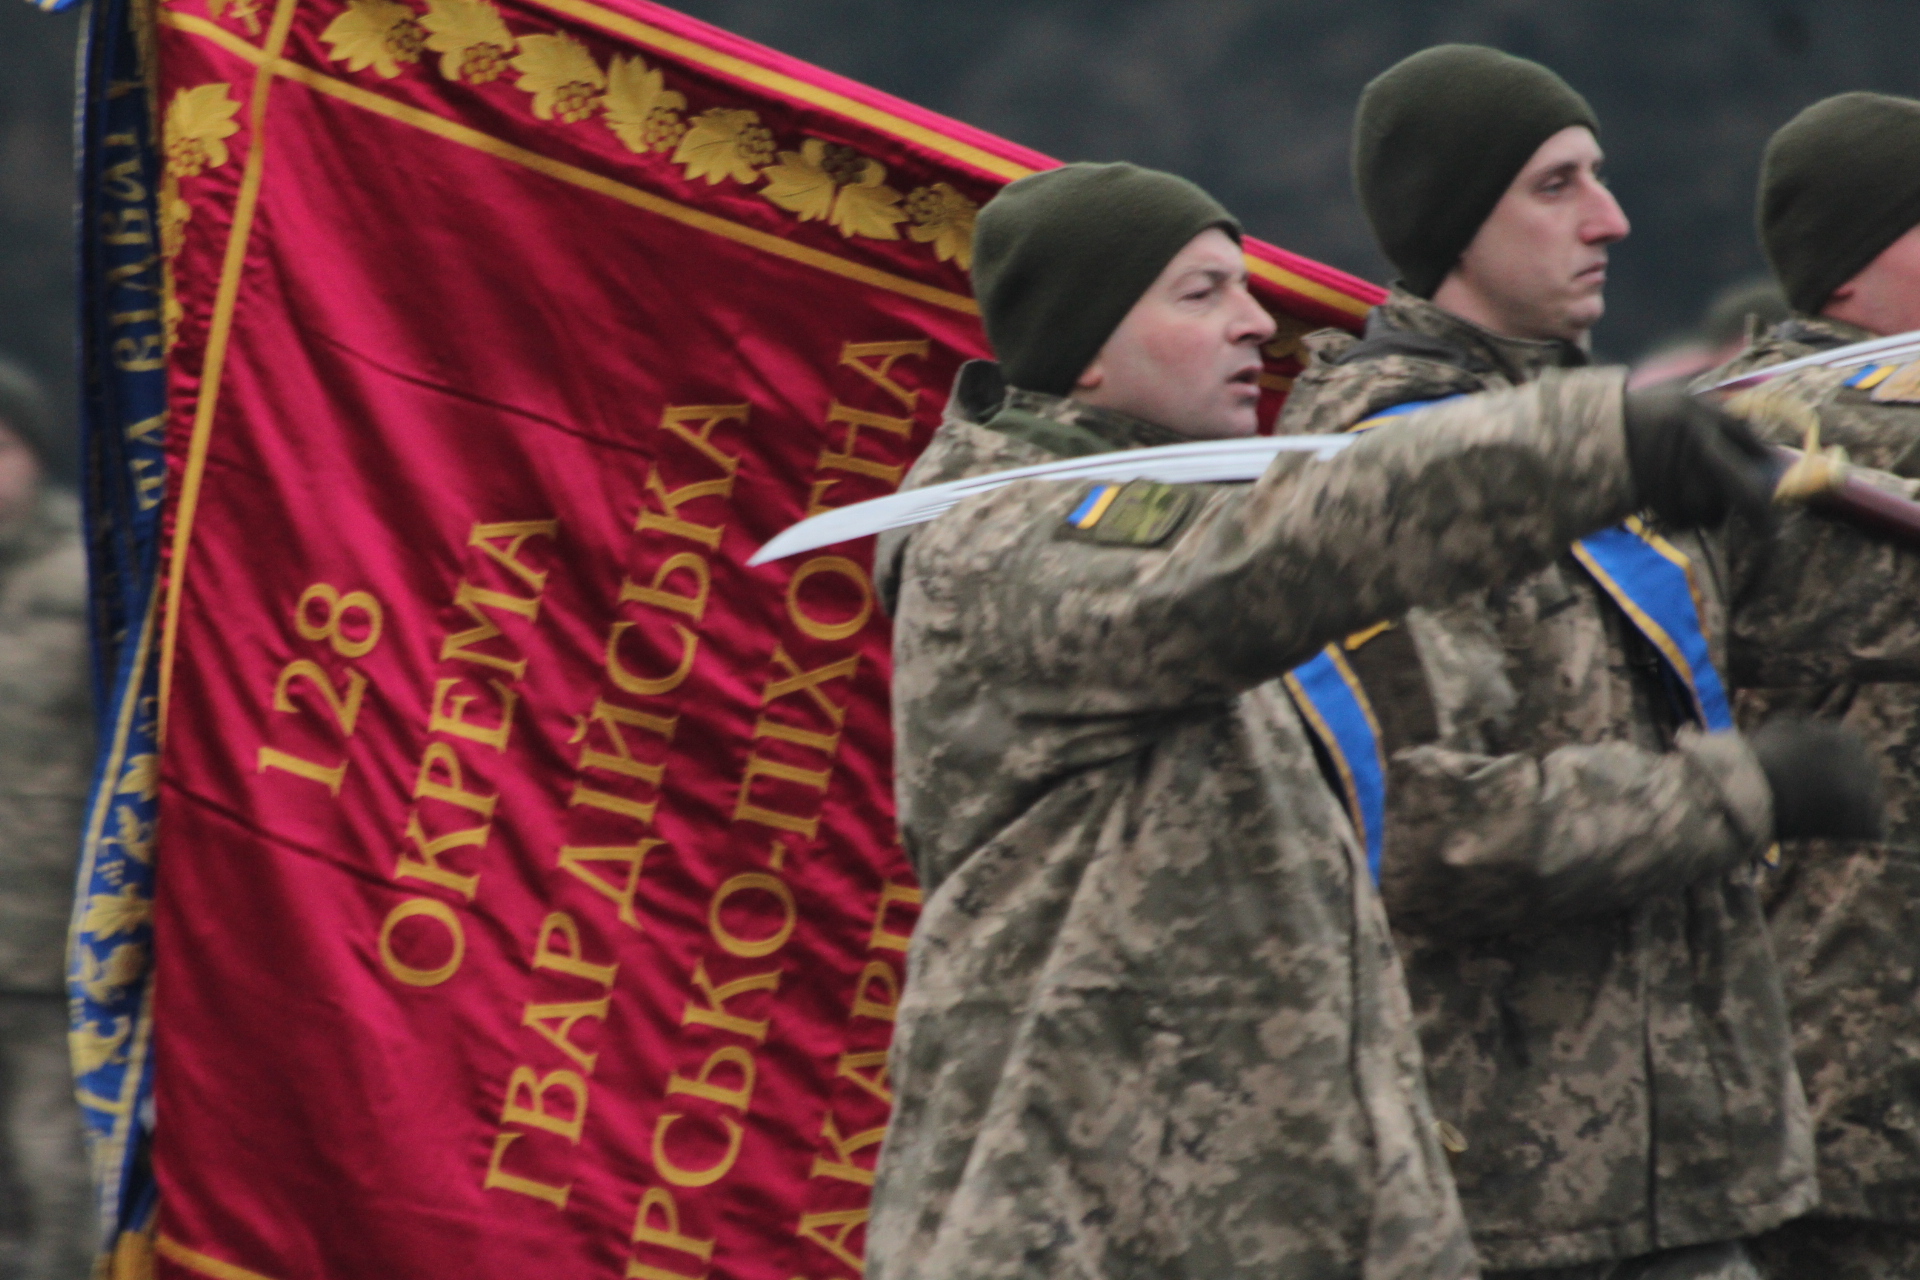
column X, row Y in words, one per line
column 193, row 1260
column 487, row 144
column 122, row 1109
column 788, row 86
column 874, row 118
column 693, row 52
column 217, row 335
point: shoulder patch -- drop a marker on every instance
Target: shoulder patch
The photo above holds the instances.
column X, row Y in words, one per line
column 1899, row 386
column 1140, row 513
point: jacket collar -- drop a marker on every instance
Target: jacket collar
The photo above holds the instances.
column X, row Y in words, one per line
column 1517, row 360
column 1817, row 332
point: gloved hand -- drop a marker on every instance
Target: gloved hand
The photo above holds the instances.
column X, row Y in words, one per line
column 1826, row 784
column 1694, row 463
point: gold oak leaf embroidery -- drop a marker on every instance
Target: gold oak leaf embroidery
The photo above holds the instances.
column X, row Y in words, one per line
column 112, row 913
column 470, row 37
column 800, row 183
column 194, row 134
column 91, row 1050
column 135, row 836
column 197, row 125
column 142, row 777
column 244, row 11
column 561, row 75
column 641, row 110
column 375, row 33
column 725, row 142
column 826, row 180
column 943, row 218
column 868, row 207
column 101, row 979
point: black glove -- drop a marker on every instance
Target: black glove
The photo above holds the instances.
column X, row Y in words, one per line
column 1826, row 784
column 1694, row 463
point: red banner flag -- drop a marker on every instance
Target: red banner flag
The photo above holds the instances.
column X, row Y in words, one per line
column 528, row 895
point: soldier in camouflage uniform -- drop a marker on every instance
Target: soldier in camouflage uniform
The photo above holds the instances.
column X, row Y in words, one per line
column 1602, row 1017
column 1839, row 204
column 46, row 1218
column 1154, row 1024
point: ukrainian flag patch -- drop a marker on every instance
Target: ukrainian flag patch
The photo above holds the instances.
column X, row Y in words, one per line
column 1093, row 506
column 1140, row 513
column 1887, row 383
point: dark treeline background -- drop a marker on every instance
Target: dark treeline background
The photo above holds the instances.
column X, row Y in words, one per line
column 1251, row 98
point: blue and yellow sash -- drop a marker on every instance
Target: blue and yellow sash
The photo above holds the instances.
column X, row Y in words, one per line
column 1651, row 580
column 1335, row 707
column 1647, row 576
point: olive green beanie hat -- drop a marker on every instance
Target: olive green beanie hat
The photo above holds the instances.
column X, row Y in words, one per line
column 1437, row 140
column 1839, row 183
column 1060, row 257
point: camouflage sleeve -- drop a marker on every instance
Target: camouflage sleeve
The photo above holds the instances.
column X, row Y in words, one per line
column 1882, row 434
column 1201, row 593
column 1824, row 601
column 1481, row 844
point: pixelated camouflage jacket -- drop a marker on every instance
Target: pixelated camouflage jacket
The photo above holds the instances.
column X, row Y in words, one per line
column 1845, row 915
column 1568, row 867
column 46, row 740
column 1153, row 1023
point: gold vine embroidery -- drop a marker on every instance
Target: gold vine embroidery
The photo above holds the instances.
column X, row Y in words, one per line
column 194, row 135
column 819, row 181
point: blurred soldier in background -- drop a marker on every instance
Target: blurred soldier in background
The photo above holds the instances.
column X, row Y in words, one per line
column 1839, row 215
column 1735, row 316
column 1602, row 1016
column 46, row 752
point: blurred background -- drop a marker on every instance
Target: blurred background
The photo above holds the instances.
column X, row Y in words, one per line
column 36, row 207
column 1252, row 98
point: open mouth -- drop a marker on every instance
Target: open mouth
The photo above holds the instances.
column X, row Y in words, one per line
column 1247, row 378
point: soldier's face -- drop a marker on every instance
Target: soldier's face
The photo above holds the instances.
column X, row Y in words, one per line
column 1538, row 266
column 1885, row 297
column 1187, row 357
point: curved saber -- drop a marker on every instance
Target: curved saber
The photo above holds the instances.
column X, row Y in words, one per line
column 1233, row 461
column 1898, row 346
column 1201, row 462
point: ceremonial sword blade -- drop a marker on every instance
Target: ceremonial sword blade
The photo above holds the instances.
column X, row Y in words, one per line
column 1201, row 462
column 1889, row 348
